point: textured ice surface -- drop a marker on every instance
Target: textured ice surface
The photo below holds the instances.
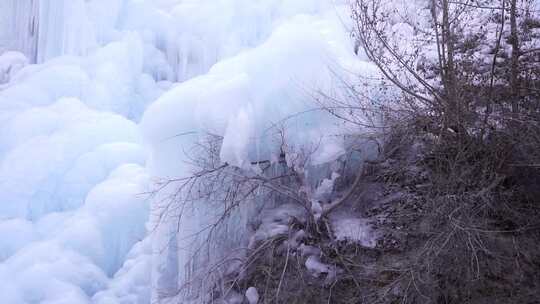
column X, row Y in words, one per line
column 72, row 177
column 248, row 94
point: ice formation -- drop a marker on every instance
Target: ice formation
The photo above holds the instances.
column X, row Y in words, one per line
column 93, row 97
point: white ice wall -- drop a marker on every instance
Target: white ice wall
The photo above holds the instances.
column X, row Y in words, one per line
column 64, row 29
column 19, row 26
column 72, row 175
column 6, row 25
column 73, row 159
column 43, row 29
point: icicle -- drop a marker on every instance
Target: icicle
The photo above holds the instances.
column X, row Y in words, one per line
column 43, row 29
column 63, row 29
column 18, row 26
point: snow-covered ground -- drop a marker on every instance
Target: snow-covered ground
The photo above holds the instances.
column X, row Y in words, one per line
column 88, row 126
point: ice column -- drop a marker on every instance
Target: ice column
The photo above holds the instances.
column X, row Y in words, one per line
column 43, row 29
column 19, row 21
column 64, row 29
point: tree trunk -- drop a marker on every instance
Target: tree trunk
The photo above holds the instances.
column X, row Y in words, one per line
column 453, row 105
column 514, row 64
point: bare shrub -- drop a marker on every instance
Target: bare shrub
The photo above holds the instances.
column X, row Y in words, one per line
column 472, row 213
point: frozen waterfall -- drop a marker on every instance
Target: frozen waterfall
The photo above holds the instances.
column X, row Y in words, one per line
column 93, row 94
column 44, row 29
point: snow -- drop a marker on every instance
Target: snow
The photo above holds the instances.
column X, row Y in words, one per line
column 275, row 221
column 314, row 265
column 353, row 229
column 318, row 269
column 252, row 295
column 93, row 97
